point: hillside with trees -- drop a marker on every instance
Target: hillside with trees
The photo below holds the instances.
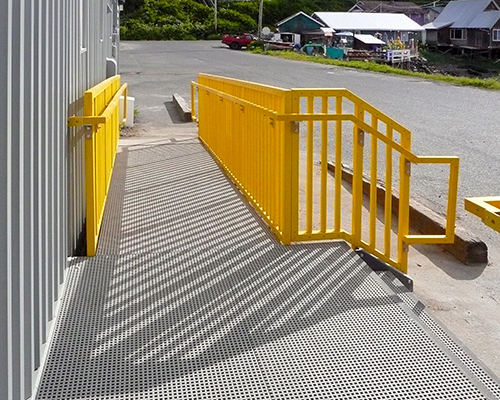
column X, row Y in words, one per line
column 192, row 20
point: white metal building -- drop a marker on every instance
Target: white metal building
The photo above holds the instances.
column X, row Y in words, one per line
column 51, row 51
column 390, row 26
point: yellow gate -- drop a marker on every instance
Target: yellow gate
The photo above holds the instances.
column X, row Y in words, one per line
column 276, row 145
column 101, row 126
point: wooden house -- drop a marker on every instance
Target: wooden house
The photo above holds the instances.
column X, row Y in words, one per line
column 431, row 12
column 299, row 23
column 308, row 27
column 467, row 25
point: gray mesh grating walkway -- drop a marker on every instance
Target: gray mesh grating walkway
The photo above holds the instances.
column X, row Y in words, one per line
column 191, row 297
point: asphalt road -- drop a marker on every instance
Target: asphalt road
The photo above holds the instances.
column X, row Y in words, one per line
column 444, row 119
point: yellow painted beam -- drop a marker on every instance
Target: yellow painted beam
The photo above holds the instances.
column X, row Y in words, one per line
column 86, row 120
column 486, row 208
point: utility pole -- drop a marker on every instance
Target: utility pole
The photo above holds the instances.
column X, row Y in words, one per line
column 215, row 15
column 261, row 9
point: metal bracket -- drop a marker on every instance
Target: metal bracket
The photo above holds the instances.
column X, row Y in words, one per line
column 407, row 168
column 361, row 137
column 295, row 127
column 271, row 122
column 88, row 131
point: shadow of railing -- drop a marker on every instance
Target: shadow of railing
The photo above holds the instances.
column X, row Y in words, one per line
column 198, row 281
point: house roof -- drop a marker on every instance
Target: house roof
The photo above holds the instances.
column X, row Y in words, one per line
column 387, row 7
column 347, row 21
column 485, row 20
column 436, row 25
column 437, row 10
column 304, row 15
column 467, row 14
column 369, row 39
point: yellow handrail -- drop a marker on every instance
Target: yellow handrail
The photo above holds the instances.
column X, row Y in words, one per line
column 486, row 208
column 276, row 143
column 101, row 124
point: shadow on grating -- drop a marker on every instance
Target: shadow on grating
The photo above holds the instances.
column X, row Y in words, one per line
column 226, row 312
column 174, row 198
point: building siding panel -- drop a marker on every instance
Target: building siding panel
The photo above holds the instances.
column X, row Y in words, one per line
column 43, row 74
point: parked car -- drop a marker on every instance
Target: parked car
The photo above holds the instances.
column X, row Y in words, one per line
column 237, row 42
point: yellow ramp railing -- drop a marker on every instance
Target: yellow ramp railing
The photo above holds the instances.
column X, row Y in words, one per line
column 101, row 124
column 486, row 208
column 276, row 145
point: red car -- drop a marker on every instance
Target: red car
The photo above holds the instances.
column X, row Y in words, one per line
column 237, row 42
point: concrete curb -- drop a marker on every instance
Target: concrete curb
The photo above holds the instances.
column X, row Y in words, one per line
column 183, row 107
column 467, row 247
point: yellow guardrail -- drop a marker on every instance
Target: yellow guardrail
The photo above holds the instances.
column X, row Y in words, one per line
column 486, row 208
column 276, row 145
column 101, row 124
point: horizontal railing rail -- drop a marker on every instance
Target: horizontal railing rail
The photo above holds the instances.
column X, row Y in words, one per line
column 101, row 124
column 276, row 145
column 255, row 158
column 486, row 208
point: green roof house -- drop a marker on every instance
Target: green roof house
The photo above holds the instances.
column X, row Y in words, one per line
column 300, row 23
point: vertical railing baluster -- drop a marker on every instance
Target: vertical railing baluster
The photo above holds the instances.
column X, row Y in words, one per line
column 324, row 164
column 294, row 108
column 388, row 195
column 357, row 184
column 90, row 174
column 373, row 185
column 286, row 175
column 404, row 205
column 338, row 165
column 309, row 165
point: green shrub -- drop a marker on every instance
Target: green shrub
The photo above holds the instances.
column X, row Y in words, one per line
column 189, row 19
column 250, row 8
column 214, row 36
column 256, row 46
column 240, row 22
column 180, row 20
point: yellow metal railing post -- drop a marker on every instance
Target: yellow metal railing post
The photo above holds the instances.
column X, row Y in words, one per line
column 90, row 175
column 324, row 163
column 194, row 115
column 388, row 196
column 404, row 213
column 309, row 163
column 294, row 107
column 452, row 199
column 287, row 175
column 404, row 206
column 338, row 166
column 357, row 184
column 373, row 185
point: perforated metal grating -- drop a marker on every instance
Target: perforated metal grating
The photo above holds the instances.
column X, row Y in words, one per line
column 229, row 313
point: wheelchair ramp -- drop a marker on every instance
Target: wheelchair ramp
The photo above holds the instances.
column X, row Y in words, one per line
column 191, row 297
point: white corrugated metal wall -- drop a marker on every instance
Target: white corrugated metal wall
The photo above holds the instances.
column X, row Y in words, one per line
column 51, row 51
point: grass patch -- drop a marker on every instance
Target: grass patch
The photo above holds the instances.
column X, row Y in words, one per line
column 490, row 83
